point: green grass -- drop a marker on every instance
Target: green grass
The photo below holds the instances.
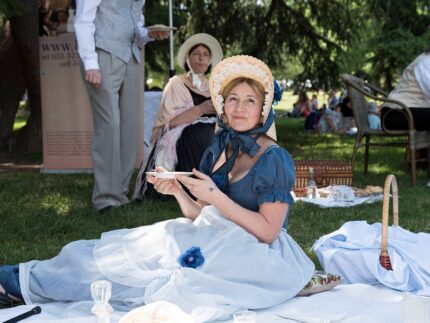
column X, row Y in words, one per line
column 39, row 213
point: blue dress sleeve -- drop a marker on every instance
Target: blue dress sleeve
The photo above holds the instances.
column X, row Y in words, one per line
column 274, row 177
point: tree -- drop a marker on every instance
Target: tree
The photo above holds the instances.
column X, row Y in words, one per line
column 19, row 63
column 157, row 57
column 402, row 33
column 319, row 38
column 314, row 32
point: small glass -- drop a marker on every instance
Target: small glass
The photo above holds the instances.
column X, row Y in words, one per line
column 311, row 191
column 101, row 292
column 244, row 316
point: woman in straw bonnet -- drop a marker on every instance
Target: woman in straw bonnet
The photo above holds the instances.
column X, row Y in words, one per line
column 185, row 123
column 196, row 262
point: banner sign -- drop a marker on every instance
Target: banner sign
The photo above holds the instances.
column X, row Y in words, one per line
column 66, row 114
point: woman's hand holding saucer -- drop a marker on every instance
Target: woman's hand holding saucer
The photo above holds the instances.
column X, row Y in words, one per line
column 201, row 187
column 163, row 185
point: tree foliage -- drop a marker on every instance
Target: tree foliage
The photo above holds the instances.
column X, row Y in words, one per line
column 301, row 39
column 10, row 8
column 324, row 37
column 402, row 33
column 313, row 33
column 157, row 56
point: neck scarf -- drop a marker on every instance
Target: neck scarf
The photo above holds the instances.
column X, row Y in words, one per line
column 239, row 142
column 196, row 78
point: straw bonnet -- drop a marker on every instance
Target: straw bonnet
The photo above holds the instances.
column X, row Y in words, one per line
column 202, row 38
column 239, row 66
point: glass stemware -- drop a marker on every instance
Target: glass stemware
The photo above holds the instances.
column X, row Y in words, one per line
column 101, row 292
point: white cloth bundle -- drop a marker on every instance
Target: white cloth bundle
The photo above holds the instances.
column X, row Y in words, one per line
column 353, row 252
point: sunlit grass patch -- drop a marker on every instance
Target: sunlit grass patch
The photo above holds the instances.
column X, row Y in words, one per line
column 62, row 205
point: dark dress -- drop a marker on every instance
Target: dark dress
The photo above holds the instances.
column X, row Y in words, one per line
column 190, row 147
column 194, row 139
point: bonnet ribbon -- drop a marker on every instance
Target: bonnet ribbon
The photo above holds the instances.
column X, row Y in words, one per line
column 195, row 78
column 239, row 142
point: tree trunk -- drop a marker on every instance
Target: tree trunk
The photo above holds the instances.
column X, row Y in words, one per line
column 12, row 88
column 19, row 63
column 25, row 30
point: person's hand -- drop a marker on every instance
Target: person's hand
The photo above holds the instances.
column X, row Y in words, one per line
column 94, row 77
column 206, row 107
column 158, row 35
column 164, row 186
column 201, row 187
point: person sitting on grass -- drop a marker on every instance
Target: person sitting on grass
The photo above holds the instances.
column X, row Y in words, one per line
column 197, row 261
column 330, row 121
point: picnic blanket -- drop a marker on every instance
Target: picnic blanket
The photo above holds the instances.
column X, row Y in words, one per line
column 351, row 303
column 340, row 196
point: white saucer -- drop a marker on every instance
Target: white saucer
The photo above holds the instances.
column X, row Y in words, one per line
column 160, row 27
column 168, row 174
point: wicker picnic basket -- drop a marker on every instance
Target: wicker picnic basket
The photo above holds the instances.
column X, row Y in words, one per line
column 326, row 172
column 390, row 182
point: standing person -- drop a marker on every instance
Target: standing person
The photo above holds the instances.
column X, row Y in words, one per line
column 197, row 262
column 185, row 124
column 109, row 35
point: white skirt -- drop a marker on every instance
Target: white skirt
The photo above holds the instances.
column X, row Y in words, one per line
column 142, row 263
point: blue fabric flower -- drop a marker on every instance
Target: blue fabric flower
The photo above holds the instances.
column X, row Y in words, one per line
column 192, row 258
column 277, row 95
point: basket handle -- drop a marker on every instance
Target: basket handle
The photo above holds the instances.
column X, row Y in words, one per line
column 390, row 181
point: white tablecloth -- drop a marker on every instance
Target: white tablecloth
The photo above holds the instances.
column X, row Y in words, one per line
column 354, row 303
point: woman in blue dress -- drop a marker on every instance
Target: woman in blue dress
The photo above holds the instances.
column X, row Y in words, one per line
column 230, row 251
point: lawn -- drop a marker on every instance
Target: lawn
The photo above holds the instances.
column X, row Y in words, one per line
column 39, row 213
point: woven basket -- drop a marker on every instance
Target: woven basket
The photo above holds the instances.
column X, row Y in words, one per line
column 390, row 182
column 326, row 172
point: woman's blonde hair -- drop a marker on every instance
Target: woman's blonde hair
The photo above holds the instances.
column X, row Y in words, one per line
column 256, row 86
